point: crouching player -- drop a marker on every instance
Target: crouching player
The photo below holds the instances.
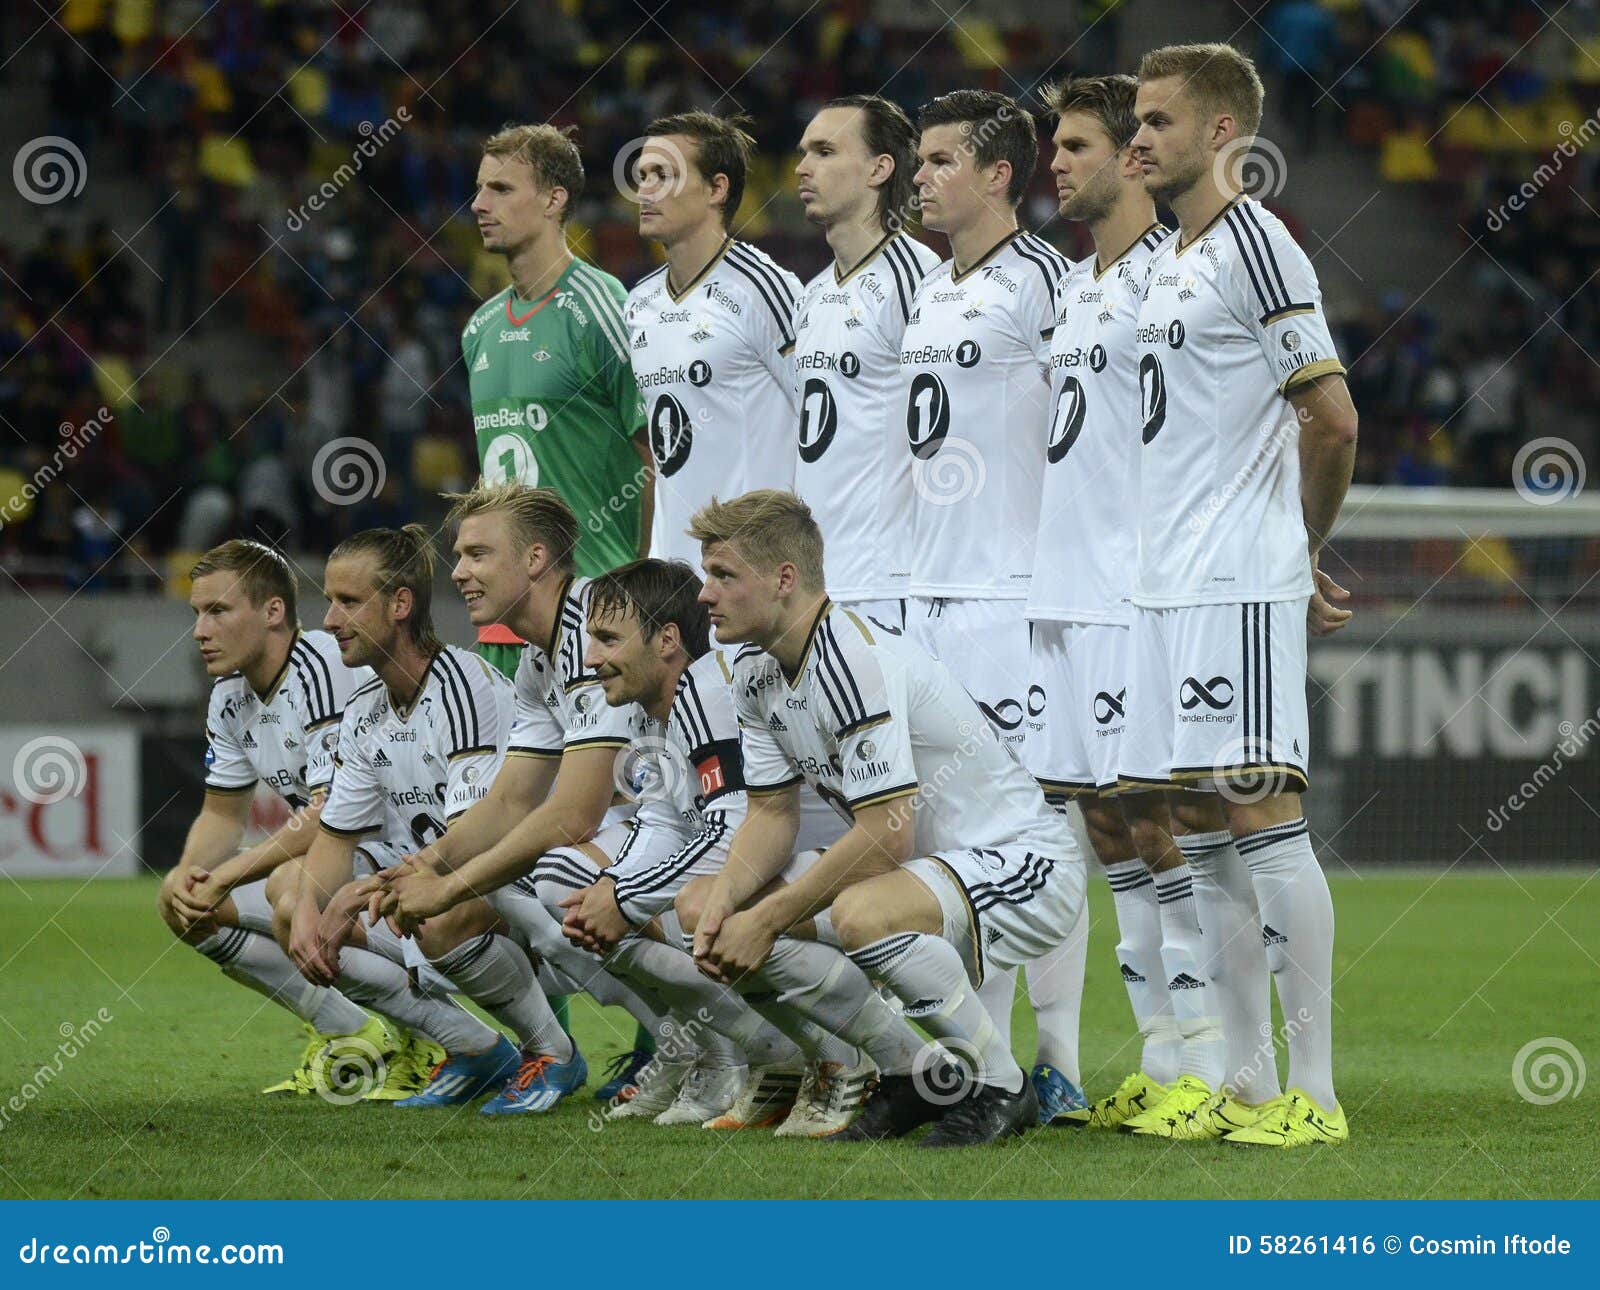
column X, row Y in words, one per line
column 274, row 713
column 954, row 864
column 417, row 745
column 649, row 644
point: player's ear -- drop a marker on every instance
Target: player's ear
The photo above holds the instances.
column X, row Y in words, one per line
column 400, row 607
column 556, row 201
column 1128, row 164
column 276, row 611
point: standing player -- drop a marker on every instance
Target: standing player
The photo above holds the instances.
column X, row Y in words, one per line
column 1082, row 574
column 418, row 744
column 975, row 401
column 1248, row 446
column 712, row 330
column 275, row 709
column 553, row 396
column 954, row 862
column 857, row 159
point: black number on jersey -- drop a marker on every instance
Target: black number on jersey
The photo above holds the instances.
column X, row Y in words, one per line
column 426, row 829
column 927, row 415
column 819, row 419
column 671, row 435
column 1067, row 423
column 1152, row 396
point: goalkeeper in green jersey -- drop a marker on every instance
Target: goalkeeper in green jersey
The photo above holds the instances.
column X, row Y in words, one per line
column 553, row 397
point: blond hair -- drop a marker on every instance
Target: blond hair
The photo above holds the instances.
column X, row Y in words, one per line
column 537, row 515
column 766, row 528
column 260, row 572
column 404, row 558
column 1218, row 77
column 549, row 152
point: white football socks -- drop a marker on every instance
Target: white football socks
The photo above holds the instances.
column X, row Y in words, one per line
column 494, row 972
column 257, row 961
column 1297, row 927
column 1205, row 1053
column 382, row 984
column 1133, row 894
column 1055, row 988
column 1235, row 963
column 928, row 975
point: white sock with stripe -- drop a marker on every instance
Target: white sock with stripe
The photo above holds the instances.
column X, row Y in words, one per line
column 495, row 973
column 1055, row 988
column 998, row 994
column 1205, row 1052
column 820, row 982
column 927, row 974
column 385, row 987
column 258, row 962
column 1133, row 895
column 1297, row 926
column 1235, row 962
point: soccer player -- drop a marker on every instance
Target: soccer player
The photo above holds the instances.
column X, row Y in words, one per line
column 1078, row 607
column 712, row 330
column 554, row 401
column 1248, row 443
column 417, row 745
column 857, row 159
column 275, row 708
column 648, row 644
column 975, row 401
column 954, row 862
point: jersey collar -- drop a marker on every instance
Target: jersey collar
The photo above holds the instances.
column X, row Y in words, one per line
column 555, row 631
column 276, row 683
column 678, row 296
column 811, row 639
column 404, row 711
column 984, row 258
column 862, row 263
column 1179, row 246
column 1123, row 254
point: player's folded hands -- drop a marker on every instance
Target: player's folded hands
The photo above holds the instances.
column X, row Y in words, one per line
column 593, row 919
column 739, row 946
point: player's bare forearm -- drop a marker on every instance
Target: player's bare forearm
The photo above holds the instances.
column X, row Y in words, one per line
column 520, row 787
column 760, row 848
column 325, row 867
column 1327, row 452
column 290, row 842
column 571, row 814
column 216, row 831
column 879, row 842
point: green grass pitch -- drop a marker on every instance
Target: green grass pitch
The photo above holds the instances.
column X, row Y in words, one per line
column 1442, row 980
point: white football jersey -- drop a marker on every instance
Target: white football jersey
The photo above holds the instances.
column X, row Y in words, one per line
column 1229, row 325
column 560, row 703
column 286, row 737
column 1088, row 536
column 869, row 718
column 715, row 367
column 975, row 398
column 688, row 777
column 408, row 772
column 853, row 469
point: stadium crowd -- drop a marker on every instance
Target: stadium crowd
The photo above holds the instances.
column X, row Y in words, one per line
column 233, row 117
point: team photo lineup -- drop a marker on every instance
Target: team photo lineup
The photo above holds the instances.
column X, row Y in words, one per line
column 832, row 639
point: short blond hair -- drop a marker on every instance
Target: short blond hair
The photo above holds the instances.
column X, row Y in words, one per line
column 767, row 528
column 1219, row 77
column 537, row 515
column 549, row 152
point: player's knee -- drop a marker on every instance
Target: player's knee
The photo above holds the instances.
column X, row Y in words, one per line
column 1151, row 839
column 439, row 935
column 859, row 921
column 691, row 902
column 1199, row 813
column 1109, row 834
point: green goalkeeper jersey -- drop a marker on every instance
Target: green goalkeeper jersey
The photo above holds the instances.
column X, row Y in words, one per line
column 554, row 403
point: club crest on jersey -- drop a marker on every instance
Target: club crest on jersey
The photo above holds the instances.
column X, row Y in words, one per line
column 700, row 334
column 974, row 312
column 541, row 355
